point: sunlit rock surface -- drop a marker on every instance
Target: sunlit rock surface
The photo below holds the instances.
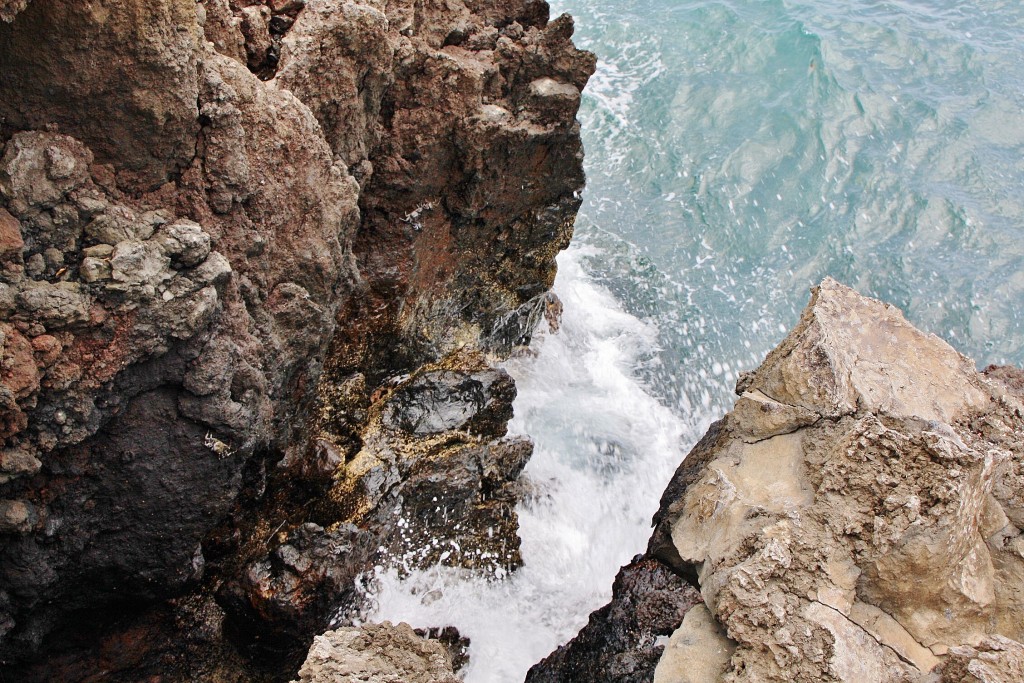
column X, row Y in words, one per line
column 856, row 517
column 376, row 653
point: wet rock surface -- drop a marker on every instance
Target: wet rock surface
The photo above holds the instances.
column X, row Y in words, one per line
column 252, row 256
column 622, row 641
column 402, row 499
column 446, row 495
column 856, row 516
column 439, row 401
column 454, row 642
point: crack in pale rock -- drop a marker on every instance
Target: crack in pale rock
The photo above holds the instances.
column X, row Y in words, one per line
column 878, row 513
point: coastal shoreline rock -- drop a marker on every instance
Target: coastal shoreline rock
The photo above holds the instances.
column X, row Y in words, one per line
column 856, row 517
column 622, row 640
column 234, row 237
column 376, row 653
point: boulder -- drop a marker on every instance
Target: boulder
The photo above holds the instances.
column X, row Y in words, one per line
column 376, row 653
column 856, row 517
column 845, row 523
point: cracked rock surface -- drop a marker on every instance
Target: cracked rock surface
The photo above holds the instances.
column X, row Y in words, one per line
column 856, row 517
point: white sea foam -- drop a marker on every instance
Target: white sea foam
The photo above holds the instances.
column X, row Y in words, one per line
column 737, row 152
column 605, row 449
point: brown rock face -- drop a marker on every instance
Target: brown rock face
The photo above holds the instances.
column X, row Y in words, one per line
column 119, row 76
column 251, row 256
column 338, row 60
column 856, row 517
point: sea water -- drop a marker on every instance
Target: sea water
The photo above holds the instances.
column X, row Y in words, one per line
column 737, row 153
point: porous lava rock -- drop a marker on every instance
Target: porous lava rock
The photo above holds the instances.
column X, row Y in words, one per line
column 230, row 231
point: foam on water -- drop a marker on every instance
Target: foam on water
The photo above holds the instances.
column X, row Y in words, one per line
column 779, row 141
column 738, row 151
column 604, row 450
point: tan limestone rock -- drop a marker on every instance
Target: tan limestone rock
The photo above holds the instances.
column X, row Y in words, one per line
column 376, row 653
column 850, row 353
column 698, row 652
column 757, row 416
column 890, row 633
column 994, row 660
column 855, row 517
column 855, row 654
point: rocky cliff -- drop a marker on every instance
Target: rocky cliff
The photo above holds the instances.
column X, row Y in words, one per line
column 856, row 517
column 255, row 257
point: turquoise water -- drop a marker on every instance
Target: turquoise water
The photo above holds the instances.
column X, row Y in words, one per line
column 738, row 152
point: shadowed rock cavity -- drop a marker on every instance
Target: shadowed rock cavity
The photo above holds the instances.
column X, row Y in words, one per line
column 856, row 517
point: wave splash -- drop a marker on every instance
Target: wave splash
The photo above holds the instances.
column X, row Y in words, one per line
column 737, row 153
column 604, row 450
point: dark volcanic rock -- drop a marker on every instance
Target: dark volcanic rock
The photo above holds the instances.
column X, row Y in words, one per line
column 620, row 644
column 213, row 257
column 414, row 500
column 446, row 493
column 297, row 586
column 443, row 400
column 460, row 508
